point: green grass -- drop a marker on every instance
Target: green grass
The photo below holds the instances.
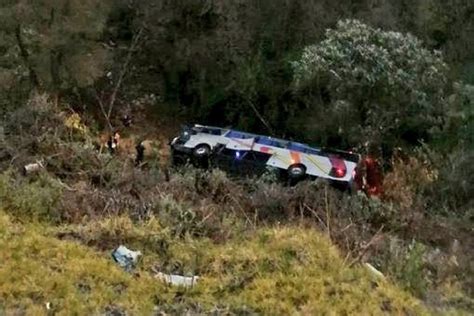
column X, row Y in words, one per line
column 272, row 271
column 36, row 269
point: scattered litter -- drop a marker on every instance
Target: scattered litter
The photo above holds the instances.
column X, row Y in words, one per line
column 374, row 271
column 178, row 280
column 125, row 257
column 48, row 305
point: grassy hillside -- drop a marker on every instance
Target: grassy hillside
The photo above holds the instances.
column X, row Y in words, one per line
column 259, row 246
column 271, row 271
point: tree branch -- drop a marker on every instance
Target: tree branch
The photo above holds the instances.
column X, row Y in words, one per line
column 101, row 105
column 26, row 57
column 123, row 72
column 260, row 117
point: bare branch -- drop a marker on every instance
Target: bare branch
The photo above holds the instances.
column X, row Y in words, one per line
column 260, row 117
column 366, row 247
column 123, row 71
column 101, row 105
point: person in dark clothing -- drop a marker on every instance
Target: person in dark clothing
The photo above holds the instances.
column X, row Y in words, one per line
column 127, row 120
column 140, row 148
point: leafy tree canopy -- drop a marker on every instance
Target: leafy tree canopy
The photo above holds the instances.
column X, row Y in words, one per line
column 372, row 83
column 58, row 41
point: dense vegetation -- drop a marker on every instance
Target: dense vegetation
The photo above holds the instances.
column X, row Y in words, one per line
column 391, row 78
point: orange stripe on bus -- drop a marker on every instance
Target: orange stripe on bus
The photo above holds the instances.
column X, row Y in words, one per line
column 295, row 157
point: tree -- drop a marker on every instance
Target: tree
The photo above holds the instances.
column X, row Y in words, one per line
column 14, row 80
column 362, row 83
column 224, row 62
column 57, row 41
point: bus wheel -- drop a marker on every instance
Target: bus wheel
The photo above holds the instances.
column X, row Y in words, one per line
column 296, row 173
column 201, row 155
column 201, row 151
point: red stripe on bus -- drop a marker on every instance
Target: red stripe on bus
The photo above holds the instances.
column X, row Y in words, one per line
column 339, row 166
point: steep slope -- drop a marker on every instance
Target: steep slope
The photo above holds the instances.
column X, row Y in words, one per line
column 272, row 271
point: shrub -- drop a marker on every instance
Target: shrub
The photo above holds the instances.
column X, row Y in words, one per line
column 407, row 266
column 410, row 174
column 271, row 202
column 178, row 217
column 459, row 129
column 37, row 198
column 455, row 187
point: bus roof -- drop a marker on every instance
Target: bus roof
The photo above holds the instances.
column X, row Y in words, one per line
column 282, row 143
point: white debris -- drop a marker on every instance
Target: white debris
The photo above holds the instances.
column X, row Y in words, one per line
column 374, row 271
column 177, row 280
column 32, row 167
column 125, row 257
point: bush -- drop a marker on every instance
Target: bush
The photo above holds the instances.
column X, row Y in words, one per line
column 407, row 266
column 407, row 185
column 180, row 218
column 459, row 129
column 37, row 198
column 455, row 187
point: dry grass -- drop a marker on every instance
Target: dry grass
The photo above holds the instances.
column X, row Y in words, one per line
column 275, row 271
column 37, row 269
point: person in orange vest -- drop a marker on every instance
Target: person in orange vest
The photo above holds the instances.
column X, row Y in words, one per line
column 113, row 142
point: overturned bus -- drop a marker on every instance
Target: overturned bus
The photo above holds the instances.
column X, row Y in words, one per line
column 251, row 154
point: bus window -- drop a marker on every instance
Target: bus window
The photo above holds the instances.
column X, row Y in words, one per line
column 264, row 141
column 297, row 147
column 312, row 151
column 279, row 144
column 216, row 132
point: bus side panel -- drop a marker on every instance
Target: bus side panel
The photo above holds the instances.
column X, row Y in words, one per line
column 318, row 166
column 201, row 138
